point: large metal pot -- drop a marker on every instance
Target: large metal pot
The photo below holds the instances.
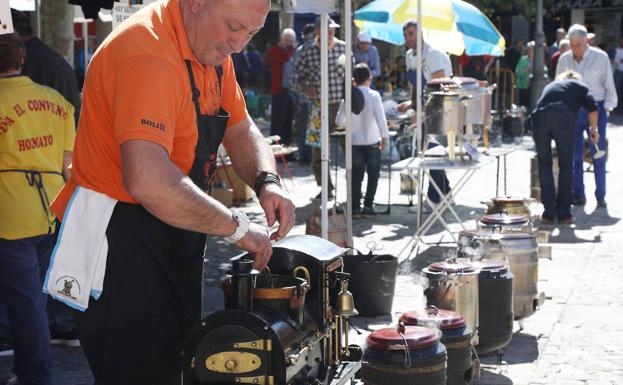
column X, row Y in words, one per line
column 520, row 251
column 455, row 335
column 404, row 355
column 445, row 113
column 453, row 285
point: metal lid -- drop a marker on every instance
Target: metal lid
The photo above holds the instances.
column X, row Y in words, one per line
column 395, row 338
column 487, row 267
column 508, row 200
column 451, row 266
column 504, row 219
column 443, row 319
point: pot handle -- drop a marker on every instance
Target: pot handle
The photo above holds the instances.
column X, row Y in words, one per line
column 298, row 269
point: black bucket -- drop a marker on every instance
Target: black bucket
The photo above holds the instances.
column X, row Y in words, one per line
column 372, row 282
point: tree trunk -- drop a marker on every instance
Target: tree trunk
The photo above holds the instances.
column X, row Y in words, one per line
column 57, row 27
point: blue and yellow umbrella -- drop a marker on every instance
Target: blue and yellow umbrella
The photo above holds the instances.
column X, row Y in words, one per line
column 454, row 26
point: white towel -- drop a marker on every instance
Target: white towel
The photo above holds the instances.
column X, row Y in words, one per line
column 78, row 262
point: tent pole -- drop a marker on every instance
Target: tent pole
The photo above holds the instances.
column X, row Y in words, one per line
column 324, row 117
column 347, row 104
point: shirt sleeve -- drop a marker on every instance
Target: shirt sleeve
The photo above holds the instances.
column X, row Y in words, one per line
column 142, row 108
column 435, row 62
column 379, row 116
column 611, row 100
column 69, row 134
column 232, row 97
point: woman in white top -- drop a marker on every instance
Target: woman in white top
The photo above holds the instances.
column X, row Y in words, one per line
column 369, row 135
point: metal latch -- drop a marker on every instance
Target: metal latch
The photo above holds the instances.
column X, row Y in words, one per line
column 233, row 362
column 265, row 345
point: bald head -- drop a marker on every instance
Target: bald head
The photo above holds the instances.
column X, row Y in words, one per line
column 218, row 28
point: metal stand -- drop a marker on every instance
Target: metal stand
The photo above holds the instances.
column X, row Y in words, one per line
column 423, row 166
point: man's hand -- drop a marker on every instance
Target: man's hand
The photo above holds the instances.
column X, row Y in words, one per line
column 594, row 136
column 278, row 207
column 257, row 242
column 404, row 106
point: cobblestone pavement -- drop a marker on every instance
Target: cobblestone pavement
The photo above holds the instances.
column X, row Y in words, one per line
column 575, row 338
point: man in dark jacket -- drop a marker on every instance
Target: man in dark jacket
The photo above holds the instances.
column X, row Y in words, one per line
column 554, row 118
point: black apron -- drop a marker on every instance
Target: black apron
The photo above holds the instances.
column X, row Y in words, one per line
column 210, row 130
column 35, row 179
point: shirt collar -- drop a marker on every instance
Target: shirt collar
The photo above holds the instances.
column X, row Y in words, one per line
column 584, row 56
column 15, row 81
column 175, row 11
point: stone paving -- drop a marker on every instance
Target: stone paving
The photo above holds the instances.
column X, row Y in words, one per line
column 575, row 338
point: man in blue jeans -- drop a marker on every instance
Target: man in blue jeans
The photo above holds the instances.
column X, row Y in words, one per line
column 36, row 148
column 594, row 66
column 554, row 119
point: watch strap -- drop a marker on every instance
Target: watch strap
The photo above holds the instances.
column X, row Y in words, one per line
column 241, row 229
column 264, row 178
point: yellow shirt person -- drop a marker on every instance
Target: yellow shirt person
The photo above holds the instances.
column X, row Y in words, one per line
column 36, row 134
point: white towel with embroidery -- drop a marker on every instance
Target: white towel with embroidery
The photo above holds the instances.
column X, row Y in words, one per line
column 78, row 262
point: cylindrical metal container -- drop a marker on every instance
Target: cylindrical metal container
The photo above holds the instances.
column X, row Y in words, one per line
column 445, row 113
column 520, row 251
column 404, row 355
column 505, row 222
column 495, row 306
column 453, row 285
column 508, row 205
column 455, row 335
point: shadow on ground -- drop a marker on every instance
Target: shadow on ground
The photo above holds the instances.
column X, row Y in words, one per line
column 523, row 348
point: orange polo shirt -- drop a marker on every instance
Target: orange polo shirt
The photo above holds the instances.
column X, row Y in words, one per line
column 137, row 87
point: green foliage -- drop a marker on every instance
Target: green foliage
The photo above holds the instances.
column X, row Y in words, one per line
column 526, row 8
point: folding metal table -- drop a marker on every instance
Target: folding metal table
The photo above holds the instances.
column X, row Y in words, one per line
column 421, row 167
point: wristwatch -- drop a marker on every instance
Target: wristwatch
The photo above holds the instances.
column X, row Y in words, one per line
column 243, row 226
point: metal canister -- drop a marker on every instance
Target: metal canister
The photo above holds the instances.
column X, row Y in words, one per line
column 455, row 335
column 520, row 251
column 404, row 355
column 495, row 306
column 454, row 286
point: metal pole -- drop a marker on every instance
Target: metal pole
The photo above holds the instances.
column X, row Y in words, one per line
column 347, row 104
column 85, row 33
column 538, row 80
column 324, row 118
column 418, row 91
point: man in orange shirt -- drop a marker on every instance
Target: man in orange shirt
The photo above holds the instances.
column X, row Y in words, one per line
column 160, row 94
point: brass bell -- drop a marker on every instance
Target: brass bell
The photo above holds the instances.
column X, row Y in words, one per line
column 345, row 305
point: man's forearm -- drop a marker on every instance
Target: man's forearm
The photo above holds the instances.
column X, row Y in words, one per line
column 592, row 119
column 158, row 185
column 248, row 151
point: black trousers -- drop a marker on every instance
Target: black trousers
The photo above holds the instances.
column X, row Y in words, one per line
column 134, row 333
column 282, row 116
column 555, row 123
column 365, row 159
